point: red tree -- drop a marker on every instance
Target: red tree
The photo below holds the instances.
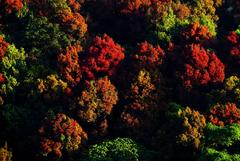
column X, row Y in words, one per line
column 11, row 5
column 103, row 57
column 133, row 6
column 225, row 114
column 149, row 55
column 199, row 67
column 234, row 41
column 3, row 47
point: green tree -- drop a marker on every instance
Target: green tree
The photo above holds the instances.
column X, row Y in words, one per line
column 118, row 149
column 220, row 143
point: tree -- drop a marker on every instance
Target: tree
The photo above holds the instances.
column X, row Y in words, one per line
column 231, row 56
column 96, row 100
column 12, row 67
column 222, row 115
column 44, row 37
column 116, row 150
column 103, row 57
column 148, row 56
column 228, row 92
column 51, row 88
column 65, row 13
column 59, row 134
column 3, row 47
column 189, row 125
column 196, row 33
column 199, row 67
column 193, row 124
column 68, row 64
column 11, row 5
column 141, row 105
column 219, row 141
column 5, row 153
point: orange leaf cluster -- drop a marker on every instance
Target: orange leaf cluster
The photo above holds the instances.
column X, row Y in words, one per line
column 182, row 11
column 74, row 22
column 60, row 133
column 12, row 5
column 75, row 5
column 5, row 153
column 196, row 33
column 97, row 100
column 68, row 63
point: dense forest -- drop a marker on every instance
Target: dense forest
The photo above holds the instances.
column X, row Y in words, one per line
column 119, row 80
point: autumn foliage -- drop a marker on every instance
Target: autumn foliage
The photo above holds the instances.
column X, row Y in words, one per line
column 149, row 56
column 60, row 133
column 5, row 153
column 119, row 80
column 196, row 33
column 200, row 67
column 142, row 101
column 68, row 64
column 11, row 5
column 232, row 54
column 52, row 88
column 224, row 114
column 193, row 124
column 103, row 57
column 97, row 100
column 3, row 47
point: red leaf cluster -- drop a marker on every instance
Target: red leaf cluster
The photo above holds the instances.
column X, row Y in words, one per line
column 200, row 67
column 3, row 47
column 68, row 64
column 234, row 42
column 140, row 6
column 11, row 5
column 103, row 57
column 149, row 55
column 225, row 114
column 131, row 6
column 49, row 146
